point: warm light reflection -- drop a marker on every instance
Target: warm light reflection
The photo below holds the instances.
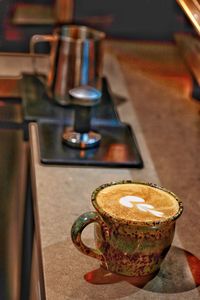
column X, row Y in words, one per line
column 161, row 63
column 192, row 10
column 2, row 103
column 102, row 276
column 117, row 153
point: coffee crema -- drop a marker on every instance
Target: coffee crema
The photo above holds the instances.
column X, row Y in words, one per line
column 137, row 202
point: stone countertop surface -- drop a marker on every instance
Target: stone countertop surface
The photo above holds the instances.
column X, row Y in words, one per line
column 156, row 101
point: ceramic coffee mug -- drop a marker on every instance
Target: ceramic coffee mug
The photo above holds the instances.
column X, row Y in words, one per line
column 134, row 227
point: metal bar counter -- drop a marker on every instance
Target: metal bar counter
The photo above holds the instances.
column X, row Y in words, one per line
column 62, row 193
column 13, row 172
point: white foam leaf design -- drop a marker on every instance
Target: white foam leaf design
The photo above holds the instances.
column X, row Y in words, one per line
column 144, row 207
column 156, row 213
column 127, row 200
column 130, row 201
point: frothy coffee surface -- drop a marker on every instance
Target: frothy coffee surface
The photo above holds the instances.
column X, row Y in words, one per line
column 137, row 202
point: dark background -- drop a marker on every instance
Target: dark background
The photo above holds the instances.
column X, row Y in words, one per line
column 129, row 19
column 137, row 19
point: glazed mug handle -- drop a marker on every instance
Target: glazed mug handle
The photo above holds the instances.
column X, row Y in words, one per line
column 76, row 231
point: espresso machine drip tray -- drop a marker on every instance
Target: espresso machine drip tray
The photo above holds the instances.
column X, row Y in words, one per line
column 37, row 105
column 118, row 147
column 87, row 133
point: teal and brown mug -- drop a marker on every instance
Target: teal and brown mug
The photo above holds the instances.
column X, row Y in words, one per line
column 134, row 226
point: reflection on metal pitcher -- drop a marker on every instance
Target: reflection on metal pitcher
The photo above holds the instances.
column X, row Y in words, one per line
column 76, row 59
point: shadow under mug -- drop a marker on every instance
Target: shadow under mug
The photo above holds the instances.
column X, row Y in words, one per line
column 76, row 59
column 126, row 247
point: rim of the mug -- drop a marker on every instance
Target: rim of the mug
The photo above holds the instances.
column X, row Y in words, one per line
column 138, row 223
column 98, row 35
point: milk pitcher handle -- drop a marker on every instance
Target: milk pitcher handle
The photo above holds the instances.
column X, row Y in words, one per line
column 76, row 231
column 38, row 38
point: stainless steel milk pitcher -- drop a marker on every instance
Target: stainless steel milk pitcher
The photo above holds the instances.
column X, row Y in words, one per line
column 76, row 59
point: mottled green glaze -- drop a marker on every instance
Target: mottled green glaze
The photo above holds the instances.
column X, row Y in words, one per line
column 77, row 228
column 126, row 247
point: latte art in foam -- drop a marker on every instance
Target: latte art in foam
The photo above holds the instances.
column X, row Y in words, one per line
column 128, row 201
column 137, row 202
